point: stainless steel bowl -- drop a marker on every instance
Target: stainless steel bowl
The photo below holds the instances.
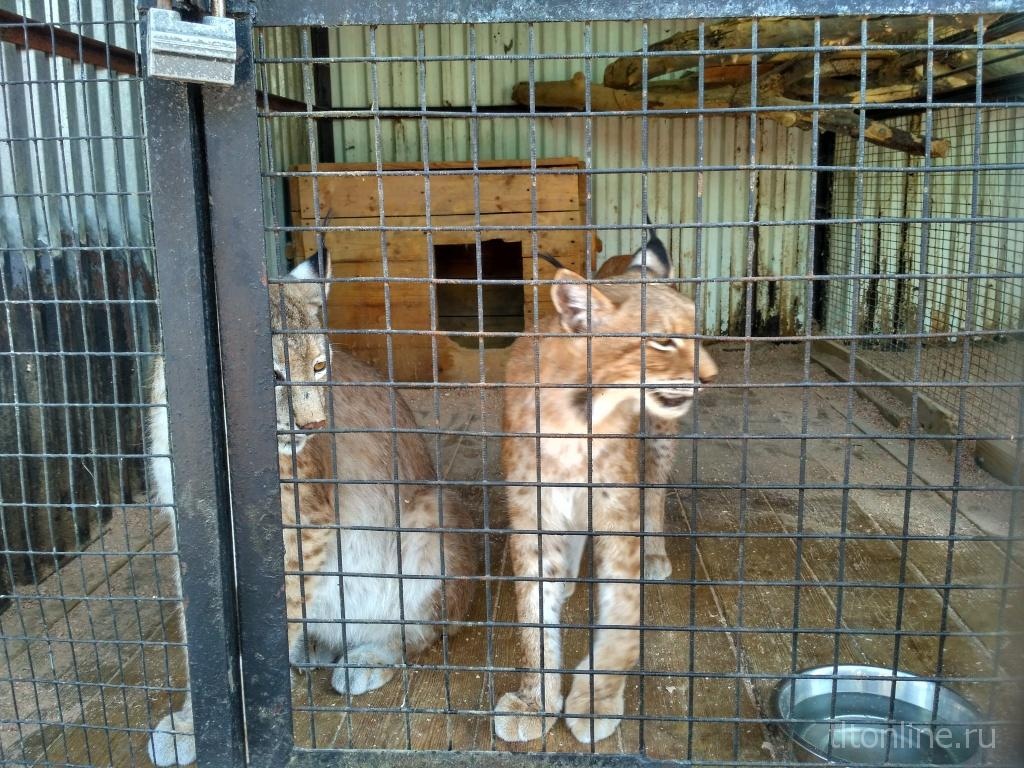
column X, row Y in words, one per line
column 859, row 727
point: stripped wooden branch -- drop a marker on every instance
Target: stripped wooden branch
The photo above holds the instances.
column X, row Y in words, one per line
column 627, row 72
column 572, row 94
column 946, row 76
column 860, row 62
column 848, row 123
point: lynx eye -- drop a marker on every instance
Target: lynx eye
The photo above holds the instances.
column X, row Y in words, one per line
column 665, row 345
column 320, row 366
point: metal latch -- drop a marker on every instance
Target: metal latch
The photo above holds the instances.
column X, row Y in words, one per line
column 192, row 51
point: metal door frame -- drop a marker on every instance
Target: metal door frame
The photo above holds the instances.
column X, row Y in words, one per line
column 204, row 146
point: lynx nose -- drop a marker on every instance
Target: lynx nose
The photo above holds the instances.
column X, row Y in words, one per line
column 707, row 370
column 311, row 425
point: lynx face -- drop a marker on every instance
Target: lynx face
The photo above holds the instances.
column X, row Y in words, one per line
column 299, row 355
column 650, row 339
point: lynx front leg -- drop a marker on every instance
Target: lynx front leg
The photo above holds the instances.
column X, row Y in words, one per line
column 520, row 719
column 616, row 557
column 300, row 591
column 659, row 457
column 657, row 566
column 574, row 554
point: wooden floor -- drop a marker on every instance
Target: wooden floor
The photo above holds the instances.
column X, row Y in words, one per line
column 704, row 673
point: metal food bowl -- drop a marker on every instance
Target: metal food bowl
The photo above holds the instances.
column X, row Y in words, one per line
column 859, row 727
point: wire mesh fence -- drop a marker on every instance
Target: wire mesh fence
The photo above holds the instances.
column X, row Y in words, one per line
column 427, row 172
column 567, row 461
column 971, row 247
column 91, row 648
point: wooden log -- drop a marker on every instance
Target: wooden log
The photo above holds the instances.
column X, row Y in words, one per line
column 909, row 91
column 1005, row 31
column 848, row 123
column 905, row 77
column 571, row 94
column 835, row 74
column 627, row 72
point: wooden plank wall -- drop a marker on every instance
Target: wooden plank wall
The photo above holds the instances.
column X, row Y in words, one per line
column 505, row 195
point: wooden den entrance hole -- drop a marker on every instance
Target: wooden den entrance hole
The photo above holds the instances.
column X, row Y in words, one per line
column 461, row 306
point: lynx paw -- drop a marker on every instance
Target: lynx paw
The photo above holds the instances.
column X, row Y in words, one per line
column 354, row 680
column 171, row 742
column 305, row 657
column 608, row 700
column 522, row 720
column 657, row 567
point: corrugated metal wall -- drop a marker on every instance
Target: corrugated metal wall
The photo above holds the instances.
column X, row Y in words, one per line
column 965, row 263
column 77, row 286
column 73, row 162
column 890, row 190
column 283, row 142
column 616, row 143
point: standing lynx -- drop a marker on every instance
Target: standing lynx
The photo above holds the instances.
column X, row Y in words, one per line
column 366, row 638
column 671, row 365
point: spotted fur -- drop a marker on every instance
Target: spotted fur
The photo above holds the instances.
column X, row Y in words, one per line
column 672, row 365
column 337, row 508
column 356, row 620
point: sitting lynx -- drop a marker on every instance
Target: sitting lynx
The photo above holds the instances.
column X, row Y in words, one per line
column 364, row 500
column 672, row 368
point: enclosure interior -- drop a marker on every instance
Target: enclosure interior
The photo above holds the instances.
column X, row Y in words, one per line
column 809, row 521
column 864, row 306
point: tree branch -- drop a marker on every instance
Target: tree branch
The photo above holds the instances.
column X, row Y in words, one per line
column 627, row 72
column 848, row 123
column 572, row 94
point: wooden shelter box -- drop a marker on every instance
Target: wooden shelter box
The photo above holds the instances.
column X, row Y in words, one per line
column 430, row 298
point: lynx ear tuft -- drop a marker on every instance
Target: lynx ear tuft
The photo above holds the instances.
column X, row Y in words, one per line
column 652, row 258
column 582, row 307
column 316, row 267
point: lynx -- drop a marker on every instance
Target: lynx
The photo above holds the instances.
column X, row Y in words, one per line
column 366, row 639
column 674, row 369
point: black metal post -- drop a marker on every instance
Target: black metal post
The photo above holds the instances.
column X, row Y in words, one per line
column 196, row 421
column 233, row 152
column 320, row 42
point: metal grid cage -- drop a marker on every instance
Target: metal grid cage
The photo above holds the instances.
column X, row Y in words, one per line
column 822, row 504
column 972, row 245
column 803, row 529
column 88, row 572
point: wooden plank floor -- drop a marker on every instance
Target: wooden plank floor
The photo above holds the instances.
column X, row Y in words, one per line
column 753, row 555
column 87, row 653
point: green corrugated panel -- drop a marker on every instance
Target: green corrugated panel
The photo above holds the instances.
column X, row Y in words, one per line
column 615, row 143
column 941, row 248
